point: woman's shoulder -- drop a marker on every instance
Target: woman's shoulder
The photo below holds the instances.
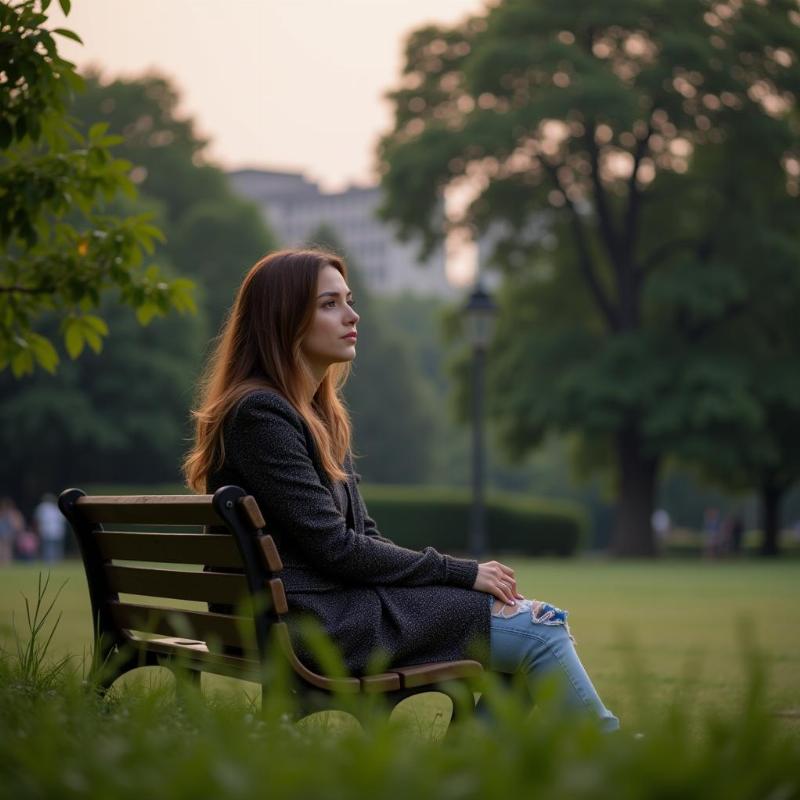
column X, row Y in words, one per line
column 265, row 398
column 264, row 404
column 263, row 421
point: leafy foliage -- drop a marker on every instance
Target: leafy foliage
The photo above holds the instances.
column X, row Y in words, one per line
column 636, row 167
column 122, row 415
column 212, row 234
column 61, row 247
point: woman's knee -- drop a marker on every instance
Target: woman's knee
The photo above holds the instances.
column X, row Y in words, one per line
column 536, row 615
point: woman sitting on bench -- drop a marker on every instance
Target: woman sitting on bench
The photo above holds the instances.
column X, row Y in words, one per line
column 271, row 420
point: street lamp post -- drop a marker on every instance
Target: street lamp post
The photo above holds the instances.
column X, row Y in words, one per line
column 480, row 312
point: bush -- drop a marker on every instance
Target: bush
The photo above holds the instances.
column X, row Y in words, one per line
column 417, row 516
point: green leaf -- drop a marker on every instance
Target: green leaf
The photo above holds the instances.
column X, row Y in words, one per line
column 44, row 352
column 111, row 141
column 95, row 342
column 146, row 312
column 22, row 363
column 95, row 324
column 152, row 231
column 181, row 292
column 74, row 337
column 66, row 5
column 68, row 34
column 97, row 130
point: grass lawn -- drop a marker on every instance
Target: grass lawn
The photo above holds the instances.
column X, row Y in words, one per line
column 650, row 634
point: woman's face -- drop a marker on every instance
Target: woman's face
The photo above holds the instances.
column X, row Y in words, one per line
column 332, row 335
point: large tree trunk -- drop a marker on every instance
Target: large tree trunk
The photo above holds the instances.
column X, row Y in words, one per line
column 771, row 496
column 637, row 473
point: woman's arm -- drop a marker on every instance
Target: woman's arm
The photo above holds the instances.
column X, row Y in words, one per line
column 492, row 577
column 266, row 442
column 370, row 528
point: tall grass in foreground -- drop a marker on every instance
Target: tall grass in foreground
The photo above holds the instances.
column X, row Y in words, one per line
column 60, row 738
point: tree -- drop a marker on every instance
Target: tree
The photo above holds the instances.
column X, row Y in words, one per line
column 636, row 164
column 217, row 241
column 764, row 456
column 122, row 415
column 60, row 247
column 212, row 234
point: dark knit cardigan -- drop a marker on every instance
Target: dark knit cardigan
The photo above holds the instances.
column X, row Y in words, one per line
column 371, row 596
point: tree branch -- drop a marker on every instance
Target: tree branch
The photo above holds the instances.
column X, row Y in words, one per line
column 584, row 256
column 631, row 230
column 601, row 199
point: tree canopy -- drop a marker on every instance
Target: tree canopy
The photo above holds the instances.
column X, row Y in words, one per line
column 211, row 233
column 61, row 245
column 637, row 167
column 122, row 415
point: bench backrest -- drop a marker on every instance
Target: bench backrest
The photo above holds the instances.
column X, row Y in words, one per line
column 155, row 547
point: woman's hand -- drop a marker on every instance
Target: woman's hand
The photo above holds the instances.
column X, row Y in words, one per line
column 497, row 580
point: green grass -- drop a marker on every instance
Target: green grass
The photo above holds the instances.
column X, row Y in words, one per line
column 671, row 630
column 670, row 646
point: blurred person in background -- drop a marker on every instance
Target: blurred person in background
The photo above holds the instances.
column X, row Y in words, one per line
column 712, row 533
column 51, row 529
column 12, row 524
column 733, row 534
column 661, row 524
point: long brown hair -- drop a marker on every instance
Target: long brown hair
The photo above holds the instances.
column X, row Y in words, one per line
column 259, row 347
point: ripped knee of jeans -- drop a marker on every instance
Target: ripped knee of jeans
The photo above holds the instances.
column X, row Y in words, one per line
column 541, row 613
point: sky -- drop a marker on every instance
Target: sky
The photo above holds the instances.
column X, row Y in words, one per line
column 274, row 84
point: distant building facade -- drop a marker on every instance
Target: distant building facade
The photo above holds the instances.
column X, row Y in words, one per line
column 296, row 207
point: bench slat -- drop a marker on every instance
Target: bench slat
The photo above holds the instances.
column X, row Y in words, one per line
column 218, row 550
column 426, row 674
column 270, row 553
column 279, row 601
column 197, row 657
column 210, row 587
column 202, row 625
column 149, row 509
column 377, row 684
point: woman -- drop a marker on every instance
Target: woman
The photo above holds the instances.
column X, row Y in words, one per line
column 271, row 420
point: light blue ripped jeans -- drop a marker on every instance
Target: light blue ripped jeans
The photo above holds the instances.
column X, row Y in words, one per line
column 533, row 637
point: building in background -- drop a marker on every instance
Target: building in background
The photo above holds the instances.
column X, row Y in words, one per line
column 295, row 207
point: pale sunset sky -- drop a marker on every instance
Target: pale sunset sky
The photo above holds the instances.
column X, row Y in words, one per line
column 278, row 84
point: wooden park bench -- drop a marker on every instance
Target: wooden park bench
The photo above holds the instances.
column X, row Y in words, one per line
column 122, row 538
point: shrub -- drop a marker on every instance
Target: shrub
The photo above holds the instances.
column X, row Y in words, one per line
column 417, row 516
